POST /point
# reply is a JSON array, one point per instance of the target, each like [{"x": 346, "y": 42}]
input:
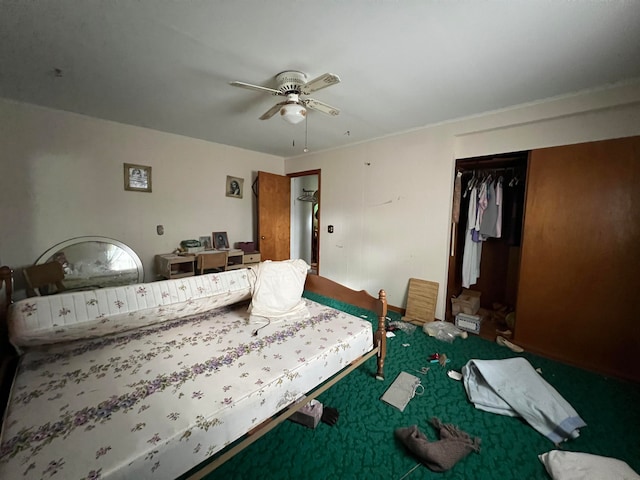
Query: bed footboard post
[
  {"x": 8, "y": 357},
  {"x": 380, "y": 336},
  {"x": 6, "y": 279}
]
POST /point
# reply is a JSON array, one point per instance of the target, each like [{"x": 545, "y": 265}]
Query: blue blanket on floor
[{"x": 512, "y": 387}]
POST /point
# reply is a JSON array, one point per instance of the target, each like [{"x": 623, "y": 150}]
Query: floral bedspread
[
  {"x": 156, "y": 401},
  {"x": 80, "y": 315}
]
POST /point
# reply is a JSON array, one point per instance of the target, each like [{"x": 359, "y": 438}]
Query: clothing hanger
[{"x": 471, "y": 184}]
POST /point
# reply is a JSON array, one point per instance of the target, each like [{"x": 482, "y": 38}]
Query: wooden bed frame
[
  {"x": 314, "y": 283},
  {"x": 327, "y": 288},
  {"x": 8, "y": 355}
]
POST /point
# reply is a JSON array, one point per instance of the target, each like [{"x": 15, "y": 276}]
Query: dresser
[{"x": 173, "y": 265}]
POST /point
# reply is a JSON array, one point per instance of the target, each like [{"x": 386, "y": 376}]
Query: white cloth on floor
[
  {"x": 512, "y": 387},
  {"x": 561, "y": 465}
]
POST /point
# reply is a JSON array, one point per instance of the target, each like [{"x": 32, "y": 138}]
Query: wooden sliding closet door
[{"x": 579, "y": 288}]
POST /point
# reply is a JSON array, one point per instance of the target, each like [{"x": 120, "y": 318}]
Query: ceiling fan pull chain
[{"x": 306, "y": 124}]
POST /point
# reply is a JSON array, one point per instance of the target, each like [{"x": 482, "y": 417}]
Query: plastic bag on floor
[
  {"x": 445, "y": 331},
  {"x": 404, "y": 326}
]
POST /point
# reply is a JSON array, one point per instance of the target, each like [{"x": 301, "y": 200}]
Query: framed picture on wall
[
  {"x": 137, "y": 178},
  {"x": 205, "y": 241},
  {"x": 234, "y": 186},
  {"x": 220, "y": 240}
]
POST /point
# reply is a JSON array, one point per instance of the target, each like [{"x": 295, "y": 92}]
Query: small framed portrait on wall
[
  {"x": 137, "y": 178},
  {"x": 234, "y": 186},
  {"x": 220, "y": 240}
]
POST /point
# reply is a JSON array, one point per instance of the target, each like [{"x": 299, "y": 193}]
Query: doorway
[
  {"x": 289, "y": 216},
  {"x": 305, "y": 217}
]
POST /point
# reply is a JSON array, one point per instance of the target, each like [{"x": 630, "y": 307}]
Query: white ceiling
[{"x": 167, "y": 65}]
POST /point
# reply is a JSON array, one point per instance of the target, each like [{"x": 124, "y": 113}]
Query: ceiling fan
[{"x": 292, "y": 84}]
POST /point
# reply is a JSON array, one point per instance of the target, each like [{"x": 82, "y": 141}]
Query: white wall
[
  {"x": 61, "y": 176},
  {"x": 390, "y": 199}
]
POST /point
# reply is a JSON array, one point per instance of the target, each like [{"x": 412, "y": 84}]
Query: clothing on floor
[
  {"x": 443, "y": 454},
  {"x": 512, "y": 387}
]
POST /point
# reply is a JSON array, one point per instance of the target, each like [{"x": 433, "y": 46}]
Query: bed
[{"x": 171, "y": 374}]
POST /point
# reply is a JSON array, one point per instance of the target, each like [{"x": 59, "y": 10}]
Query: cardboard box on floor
[
  {"x": 467, "y": 302},
  {"x": 309, "y": 415},
  {"x": 468, "y": 323}
]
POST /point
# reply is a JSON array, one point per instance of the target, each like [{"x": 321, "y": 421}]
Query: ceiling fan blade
[
  {"x": 257, "y": 88},
  {"x": 321, "y": 107},
  {"x": 272, "y": 111},
  {"x": 320, "y": 82}
]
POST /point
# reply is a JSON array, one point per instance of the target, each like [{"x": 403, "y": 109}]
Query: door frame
[
  {"x": 517, "y": 160},
  {"x": 306, "y": 173}
]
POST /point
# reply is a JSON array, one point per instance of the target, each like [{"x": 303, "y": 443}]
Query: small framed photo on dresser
[
  {"x": 205, "y": 241},
  {"x": 220, "y": 241}
]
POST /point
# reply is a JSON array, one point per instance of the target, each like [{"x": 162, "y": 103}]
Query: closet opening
[{"x": 486, "y": 236}]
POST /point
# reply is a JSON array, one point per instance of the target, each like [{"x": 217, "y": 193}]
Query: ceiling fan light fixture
[{"x": 293, "y": 113}]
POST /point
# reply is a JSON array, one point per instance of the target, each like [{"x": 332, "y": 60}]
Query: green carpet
[{"x": 362, "y": 445}]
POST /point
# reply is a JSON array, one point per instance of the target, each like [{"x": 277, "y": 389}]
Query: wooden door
[
  {"x": 274, "y": 216},
  {"x": 579, "y": 277}
]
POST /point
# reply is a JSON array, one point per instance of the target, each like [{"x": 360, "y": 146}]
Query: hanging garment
[
  {"x": 499, "y": 204},
  {"x": 490, "y": 215},
  {"x": 457, "y": 194},
  {"x": 472, "y": 249},
  {"x": 481, "y": 206},
  {"x": 516, "y": 209},
  {"x": 473, "y": 211},
  {"x": 471, "y": 260},
  {"x": 455, "y": 214}
]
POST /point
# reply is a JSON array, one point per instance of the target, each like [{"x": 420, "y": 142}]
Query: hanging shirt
[
  {"x": 482, "y": 205},
  {"x": 480, "y": 208},
  {"x": 471, "y": 260},
  {"x": 472, "y": 249},
  {"x": 499, "y": 204},
  {"x": 490, "y": 215},
  {"x": 473, "y": 212}
]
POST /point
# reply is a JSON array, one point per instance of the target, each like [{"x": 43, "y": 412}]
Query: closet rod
[
  {"x": 516, "y": 169},
  {"x": 483, "y": 163}
]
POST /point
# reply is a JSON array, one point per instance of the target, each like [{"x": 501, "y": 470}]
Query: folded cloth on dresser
[{"x": 512, "y": 387}]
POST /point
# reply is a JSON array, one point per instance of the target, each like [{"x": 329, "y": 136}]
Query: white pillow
[
  {"x": 277, "y": 292},
  {"x": 562, "y": 465}
]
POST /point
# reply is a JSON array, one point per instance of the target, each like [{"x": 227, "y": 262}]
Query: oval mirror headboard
[{"x": 95, "y": 262}]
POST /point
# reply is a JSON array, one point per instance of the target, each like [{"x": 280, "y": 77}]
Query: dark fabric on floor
[
  {"x": 439, "y": 454},
  {"x": 361, "y": 445}
]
